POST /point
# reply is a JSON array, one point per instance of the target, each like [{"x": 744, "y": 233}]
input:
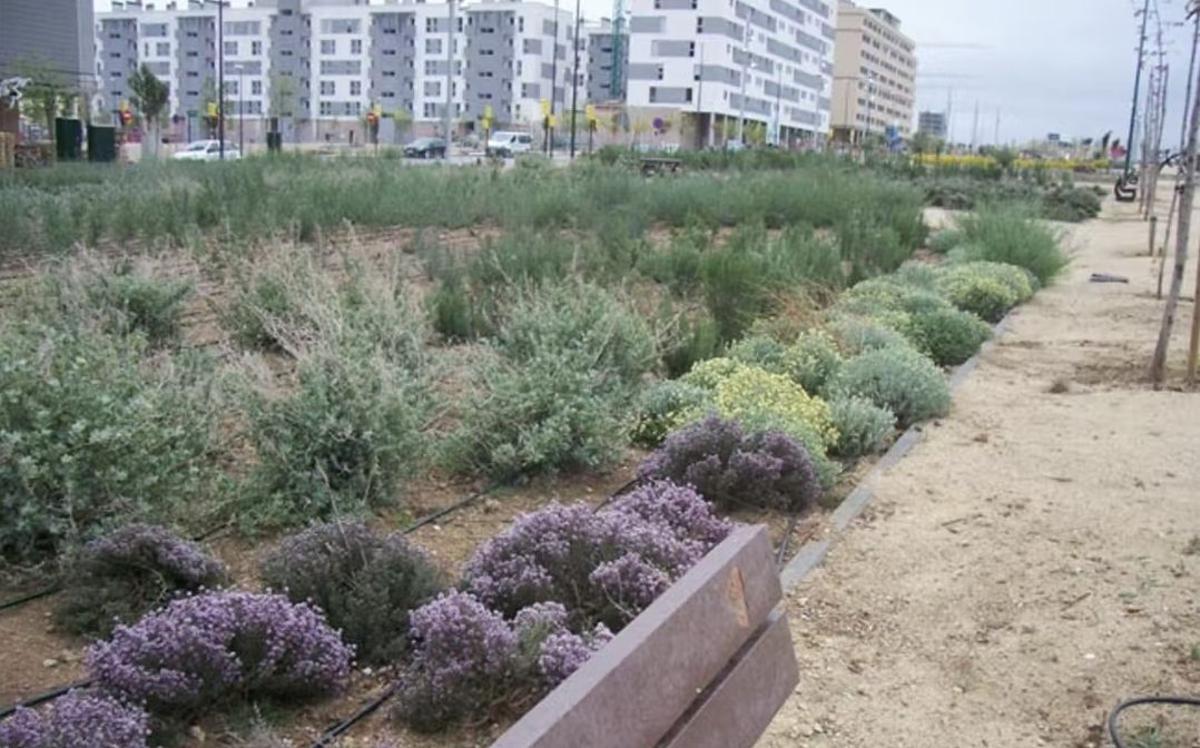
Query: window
[
  {"x": 356, "y": 88},
  {"x": 356, "y": 46},
  {"x": 256, "y": 48},
  {"x": 328, "y": 88},
  {"x": 231, "y": 49},
  {"x": 231, "y": 88},
  {"x": 430, "y": 109},
  {"x": 431, "y": 24},
  {"x": 256, "y": 88},
  {"x": 340, "y": 25},
  {"x": 147, "y": 52},
  {"x": 521, "y": 24},
  {"x": 326, "y": 108},
  {"x": 329, "y": 46},
  {"x": 433, "y": 88},
  {"x": 433, "y": 46},
  {"x": 162, "y": 49}
]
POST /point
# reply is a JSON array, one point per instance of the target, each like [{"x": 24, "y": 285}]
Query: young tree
[
  {"x": 48, "y": 93},
  {"x": 150, "y": 98}
]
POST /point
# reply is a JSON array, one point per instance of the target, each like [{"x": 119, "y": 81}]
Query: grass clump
[
  {"x": 1014, "y": 236},
  {"x": 365, "y": 583},
  {"x": 659, "y": 407},
  {"x": 896, "y": 378}
]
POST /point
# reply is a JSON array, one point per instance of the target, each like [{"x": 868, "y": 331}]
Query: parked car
[
  {"x": 207, "y": 150},
  {"x": 426, "y": 148},
  {"x": 506, "y": 144}
]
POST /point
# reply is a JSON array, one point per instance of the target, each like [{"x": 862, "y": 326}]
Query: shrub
[
  {"x": 736, "y": 290},
  {"x": 987, "y": 289},
  {"x": 948, "y": 336},
  {"x": 128, "y": 572},
  {"x": 342, "y": 442},
  {"x": 603, "y": 567},
  {"x": 582, "y": 321},
  {"x": 468, "y": 658},
  {"x": 862, "y": 426},
  {"x": 90, "y": 433},
  {"x": 1011, "y": 235},
  {"x": 694, "y": 341},
  {"x": 896, "y": 378},
  {"x": 217, "y": 647},
  {"x": 945, "y": 240},
  {"x": 812, "y": 360},
  {"x": 138, "y": 303},
  {"x": 545, "y": 415},
  {"x": 1072, "y": 204},
  {"x": 659, "y": 408},
  {"x": 735, "y": 470},
  {"x": 857, "y": 334},
  {"x": 78, "y": 719},
  {"x": 366, "y": 584}
]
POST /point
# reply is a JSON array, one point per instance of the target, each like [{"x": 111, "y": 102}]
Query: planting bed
[{"x": 755, "y": 335}]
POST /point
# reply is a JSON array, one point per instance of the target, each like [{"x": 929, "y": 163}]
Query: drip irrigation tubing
[
  {"x": 45, "y": 696},
  {"x": 781, "y": 555},
  {"x": 335, "y": 732},
  {"x": 1115, "y": 715},
  {"x": 56, "y": 587},
  {"x": 461, "y": 503}
]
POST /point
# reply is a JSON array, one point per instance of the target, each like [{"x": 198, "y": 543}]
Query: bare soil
[{"x": 1034, "y": 560}]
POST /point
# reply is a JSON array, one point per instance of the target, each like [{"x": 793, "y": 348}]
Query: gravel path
[{"x": 1033, "y": 560}]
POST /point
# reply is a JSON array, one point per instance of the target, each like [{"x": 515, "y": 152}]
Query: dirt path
[{"x": 1035, "y": 558}]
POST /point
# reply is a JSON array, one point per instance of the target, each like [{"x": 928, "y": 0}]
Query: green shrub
[
  {"x": 809, "y": 362},
  {"x": 897, "y": 378},
  {"x": 342, "y": 442},
  {"x": 948, "y": 336},
  {"x": 1072, "y": 204},
  {"x": 455, "y": 312},
  {"x": 547, "y": 414},
  {"x": 986, "y": 289},
  {"x": 1012, "y": 235},
  {"x": 862, "y": 426},
  {"x": 659, "y": 407},
  {"x": 365, "y": 583},
  {"x": 90, "y": 433},
  {"x": 583, "y": 321},
  {"x": 857, "y": 334},
  {"x": 945, "y": 240},
  {"x": 129, "y": 302},
  {"x": 693, "y": 342},
  {"x": 736, "y": 291}
]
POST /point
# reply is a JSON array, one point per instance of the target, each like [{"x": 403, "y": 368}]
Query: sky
[{"x": 1043, "y": 66}]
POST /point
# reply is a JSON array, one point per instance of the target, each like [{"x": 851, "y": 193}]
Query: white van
[{"x": 506, "y": 144}]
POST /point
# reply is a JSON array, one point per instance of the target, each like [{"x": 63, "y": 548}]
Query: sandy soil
[{"x": 1034, "y": 559}]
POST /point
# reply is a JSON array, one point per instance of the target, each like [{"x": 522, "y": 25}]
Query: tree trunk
[{"x": 1158, "y": 365}]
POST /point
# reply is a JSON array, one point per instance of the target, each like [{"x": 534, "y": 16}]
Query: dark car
[{"x": 426, "y": 148}]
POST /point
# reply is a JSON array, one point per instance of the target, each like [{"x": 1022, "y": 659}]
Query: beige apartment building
[{"x": 874, "y": 74}]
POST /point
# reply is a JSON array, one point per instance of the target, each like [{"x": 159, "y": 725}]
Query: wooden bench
[
  {"x": 652, "y": 166},
  {"x": 707, "y": 665}
]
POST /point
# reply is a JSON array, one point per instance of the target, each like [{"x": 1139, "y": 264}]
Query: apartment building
[
  {"x": 601, "y": 56},
  {"x": 875, "y": 75},
  {"x": 321, "y": 65},
  {"x": 932, "y": 124},
  {"x": 53, "y": 33},
  {"x": 719, "y": 70}
]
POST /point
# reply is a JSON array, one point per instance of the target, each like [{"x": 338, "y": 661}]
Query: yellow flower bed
[{"x": 975, "y": 160}]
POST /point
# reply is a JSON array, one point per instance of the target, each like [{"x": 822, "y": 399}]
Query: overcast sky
[{"x": 1062, "y": 66}]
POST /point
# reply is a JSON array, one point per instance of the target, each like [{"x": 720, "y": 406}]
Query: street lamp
[{"x": 220, "y": 71}]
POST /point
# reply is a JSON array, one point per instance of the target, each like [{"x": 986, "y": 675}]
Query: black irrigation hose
[
  {"x": 45, "y": 696},
  {"x": 781, "y": 555},
  {"x": 435, "y": 516},
  {"x": 344, "y": 726},
  {"x": 1115, "y": 714},
  {"x": 50, "y": 590},
  {"x": 624, "y": 489}
]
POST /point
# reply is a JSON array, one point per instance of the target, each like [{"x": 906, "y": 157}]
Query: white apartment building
[
  {"x": 715, "y": 68},
  {"x": 333, "y": 61}
]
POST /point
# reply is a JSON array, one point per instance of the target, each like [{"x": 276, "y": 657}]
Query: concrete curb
[{"x": 811, "y": 554}]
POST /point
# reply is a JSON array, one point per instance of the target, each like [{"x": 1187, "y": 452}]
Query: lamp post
[{"x": 220, "y": 72}]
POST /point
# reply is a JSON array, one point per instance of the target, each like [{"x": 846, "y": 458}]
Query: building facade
[
  {"x": 319, "y": 66},
  {"x": 716, "y": 70},
  {"x": 932, "y": 124},
  {"x": 56, "y": 35},
  {"x": 875, "y": 75},
  {"x": 602, "y": 51}
]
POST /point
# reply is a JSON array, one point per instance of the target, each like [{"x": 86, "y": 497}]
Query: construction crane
[{"x": 617, "y": 87}]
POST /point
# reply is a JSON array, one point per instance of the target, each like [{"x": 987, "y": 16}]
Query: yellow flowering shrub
[{"x": 754, "y": 396}]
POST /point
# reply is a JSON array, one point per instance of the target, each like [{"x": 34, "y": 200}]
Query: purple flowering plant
[
  {"x": 214, "y": 647},
  {"x": 78, "y": 719},
  {"x": 734, "y": 469},
  {"x": 132, "y": 570}
]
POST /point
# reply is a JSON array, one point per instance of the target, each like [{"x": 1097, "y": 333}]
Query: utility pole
[
  {"x": 449, "y": 78},
  {"x": 221, "y": 77},
  {"x": 553, "y": 83},
  {"x": 1158, "y": 364},
  {"x": 575, "y": 79},
  {"x": 745, "y": 75},
  {"x": 997, "y": 135},
  {"x": 1137, "y": 84}
]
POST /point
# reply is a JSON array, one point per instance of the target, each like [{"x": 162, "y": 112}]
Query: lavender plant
[
  {"x": 78, "y": 719},
  {"x": 121, "y": 576},
  {"x": 734, "y": 469},
  {"x": 207, "y": 649},
  {"x": 364, "y": 582}
]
